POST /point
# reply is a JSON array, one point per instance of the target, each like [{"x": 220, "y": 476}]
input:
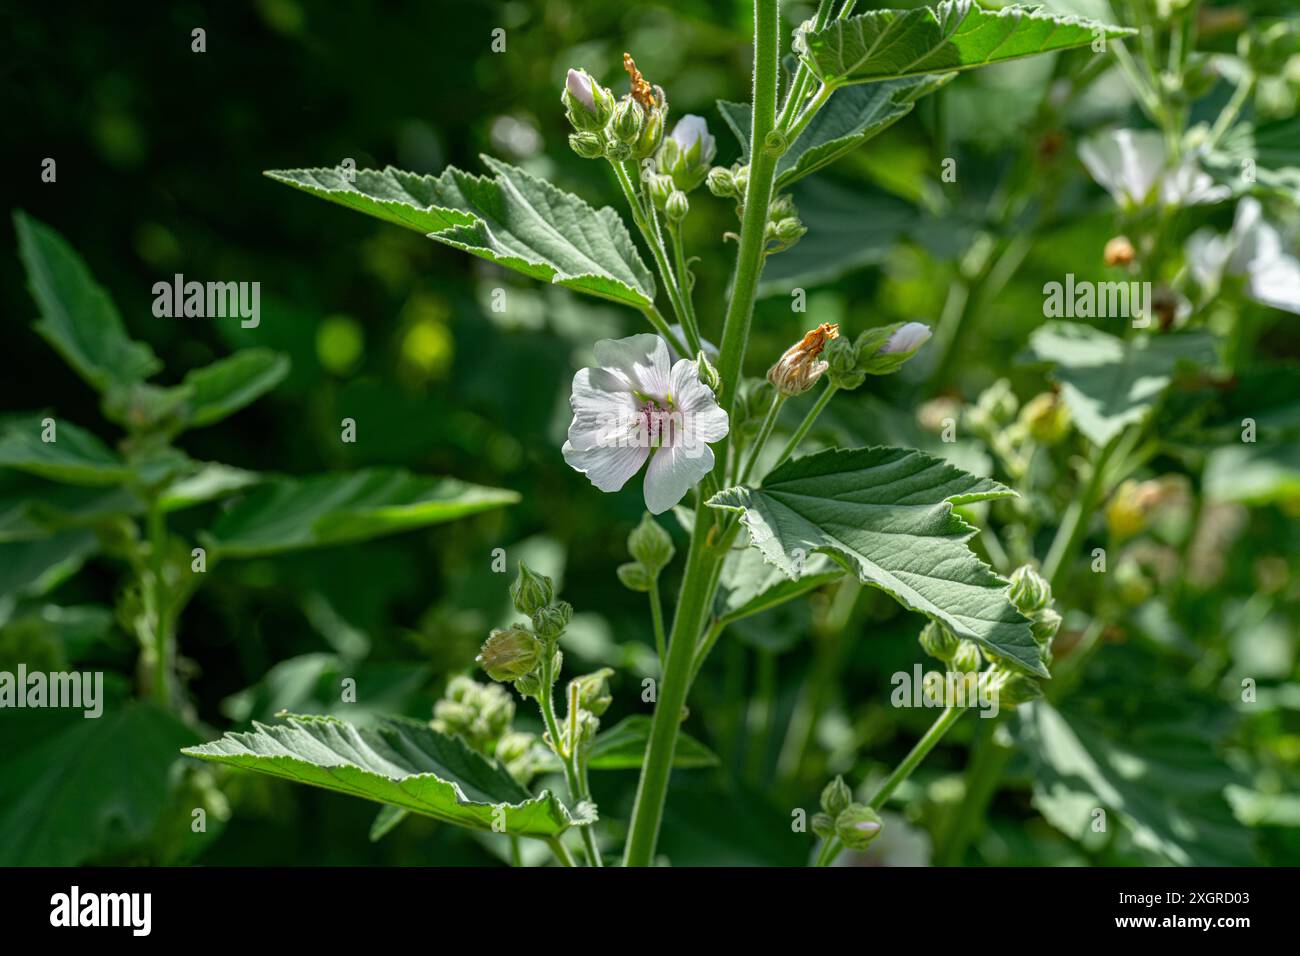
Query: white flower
[
  {"x": 1254, "y": 250},
  {"x": 1132, "y": 167},
  {"x": 907, "y": 338},
  {"x": 635, "y": 405}
]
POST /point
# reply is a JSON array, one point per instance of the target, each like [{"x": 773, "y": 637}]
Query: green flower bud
[
  {"x": 883, "y": 351},
  {"x": 1043, "y": 624},
  {"x": 1018, "y": 689},
  {"x": 721, "y": 182},
  {"x": 651, "y": 545},
  {"x": 708, "y": 374},
  {"x": 801, "y": 365},
  {"x": 549, "y": 622},
  {"x": 515, "y": 751},
  {"x": 939, "y": 642},
  {"x": 462, "y": 689},
  {"x": 677, "y": 206},
  {"x": 634, "y": 576},
  {"x": 966, "y": 658},
  {"x": 593, "y": 690},
  {"x": 616, "y": 151},
  {"x": 841, "y": 358},
  {"x": 627, "y": 121},
  {"x": 1029, "y": 590},
  {"x": 587, "y": 145},
  {"x": 823, "y": 824},
  {"x": 587, "y": 104},
  {"x": 857, "y": 826},
  {"x": 652, "y": 130},
  {"x": 782, "y": 207},
  {"x": 531, "y": 590},
  {"x": 660, "y": 188},
  {"x": 836, "y": 797},
  {"x": 785, "y": 232},
  {"x": 1046, "y": 418},
  {"x": 510, "y": 653}
]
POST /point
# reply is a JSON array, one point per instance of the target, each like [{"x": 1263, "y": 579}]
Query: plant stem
[
  {"x": 698, "y": 582},
  {"x": 684, "y": 278},
  {"x": 657, "y": 615},
  {"x": 515, "y": 858},
  {"x": 661, "y": 326},
  {"x": 904, "y": 770},
  {"x": 649, "y": 230},
  {"x": 1075, "y": 523},
  {"x": 1230, "y": 112},
  {"x": 568, "y": 760},
  {"x": 764, "y": 433},
  {"x": 817, "y": 102},
  {"x": 162, "y": 638},
  {"x": 802, "y": 431},
  {"x": 561, "y": 851}
]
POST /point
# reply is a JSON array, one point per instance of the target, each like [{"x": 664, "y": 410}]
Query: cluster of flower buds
[
  {"x": 515, "y": 653},
  {"x": 801, "y": 365},
  {"x": 855, "y": 824},
  {"x": 1032, "y": 597},
  {"x": 730, "y": 183},
  {"x": 588, "y": 698},
  {"x": 879, "y": 351},
  {"x": 992, "y": 418},
  {"x": 784, "y": 227},
  {"x": 652, "y": 549},
  {"x": 630, "y": 127},
  {"x": 480, "y": 714}
]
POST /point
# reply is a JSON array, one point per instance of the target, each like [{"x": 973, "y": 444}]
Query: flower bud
[
  {"x": 841, "y": 358},
  {"x": 883, "y": 351},
  {"x": 1018, "y": 689},
  {"x": 857, "y": 826},
  {"x": 1119, "y": 251},
  {"x": 531, "y": 590},
  {"x": 1046, "y": 418},
  {"x": 633, "y": 576},
  {"x": 966, "y": 658},
  {"x": 588, "y": 105},
  {"x": 627, "y": 121},
  {"x": 782, "y": 207},
  {"x": 587, "y": 145},
  {"x": 939, "y": 642},
  {"x": 686, "y": 153},
  {"x": 799, "y": 367},
  {"x": 721, "y": 182},
  {"x": 785, "y": 232},
  {"x": 593, "y": 690},
  {"x": 1043, "y": 624},
  {"x": 617, "y": 152},
  {"x": 650, "y": 545},
  {"x": 823, "y": 824},
  {"x": 836, "y": 797},
  {"x": 510, "y": 653},
  {"x": 709, "y": 375},
  {"x": 660, "y": 187},
  {"x": 515, "y": 752},
  {"x": 1029, "y": 590},
  {"x": 677, "y": 206},
  {"x": 550, "y": 621}
]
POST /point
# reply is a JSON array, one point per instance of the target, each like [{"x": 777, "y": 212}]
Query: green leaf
[
  {"x": 96, "y": 787},
  {"x": 849, "y": 118},
  {"x": 513, "y": 219},
  {"x": 1109, "y": 383},
  {"x": 224, "y": 387},
  {"x": 1254, "y": 474},
  {"x": 385, "y": 821},
  {"x": 887, "y": 513},
  {"x": 400, "y": 763},
  {"x": 75, "y": 456},
  {"x": 847, "y": 229},
  {"x": 34, "y": 567},
  {"x": 288, "y": 514},
  {"x": 1164, "y": 783},
  {"x": 32, "y": 507},
  {"x": 622, "y": 747},
  {"x": 955, "y": 35},
  {"x": 77, "y": 317},
  {"x": 206, "y": 481},
  {"x": 750, "y": 585}
]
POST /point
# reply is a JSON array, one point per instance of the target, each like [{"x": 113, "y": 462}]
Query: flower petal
[
  {"x": 673, "y": 470},
  {"x": 608, "y": 466},
  {"x": 702, "y": 417},
  {"x": 641, "y": 359}
]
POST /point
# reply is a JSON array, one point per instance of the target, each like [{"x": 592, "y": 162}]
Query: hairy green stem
[
  {"x": 696, "y": 594},
  {"x": 764, "y": 433},
  {"x": 561, "y": 851},
  {"x": 904, "y": 770},
  {"x": 1075, "y": 523},
  {"x": 685, "y": 291},
  {"x": 569, "y": 761},
  {"x": 806, "y": 425},
  {"x": 657, "y": 616}
]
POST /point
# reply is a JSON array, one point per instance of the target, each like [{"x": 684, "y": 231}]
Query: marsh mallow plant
[{"x": 664, "y": 402}]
